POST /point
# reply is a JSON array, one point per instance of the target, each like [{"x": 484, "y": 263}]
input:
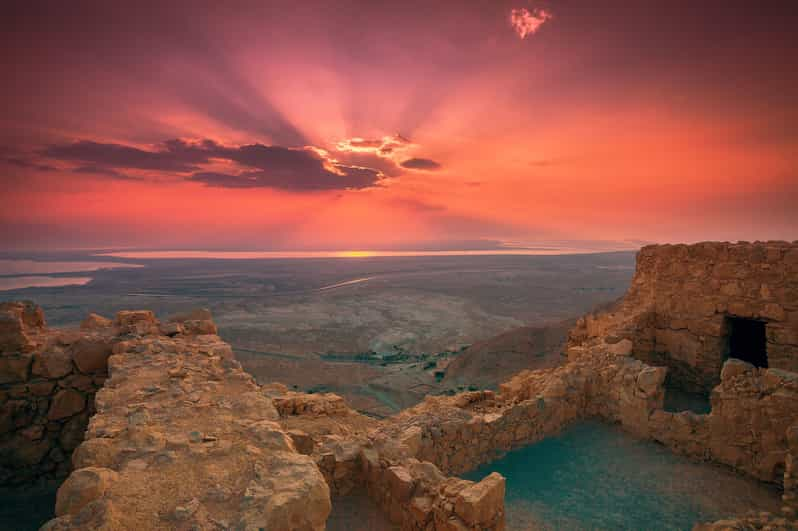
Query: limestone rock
[
  {"x": 412, "y": 438},
  {"x": 171, "y": 328},
  {"x": 14, "y": 367},
  {"x": 478, "y": 503},
  {"x": 734, "y": 367},
  {"x": 66, "y": 403},
  {"x": 199, "y": 327},
  {"x": 52, "y": 364},
  {"x": 299, "y": 500},
  {"x": 19, "y": 322},
  {"x": 91, "y": 354},
  {"x": 621, "y": 348},
  {"x": 94, "y": 321},
  {"x": 82, "y": 487},
  {"x": 141, "y": 322},
  {"x": 651, "y": 379}
]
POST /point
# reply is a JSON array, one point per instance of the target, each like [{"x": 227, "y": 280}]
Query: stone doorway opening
[{"x": 747, "y": 341}]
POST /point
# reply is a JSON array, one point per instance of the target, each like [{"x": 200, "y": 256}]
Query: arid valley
[{"x": 383, "y": 343}]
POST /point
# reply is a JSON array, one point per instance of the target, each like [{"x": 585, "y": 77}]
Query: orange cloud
[
  {"x": 526, "y": 22},
  {"x": 386, "y": 146}
]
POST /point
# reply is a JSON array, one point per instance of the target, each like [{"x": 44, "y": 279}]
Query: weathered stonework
[
  {"x": 677, "y": 310},
  {"x": 47, "y": 384},
  {"x": 183, "y": 438}
]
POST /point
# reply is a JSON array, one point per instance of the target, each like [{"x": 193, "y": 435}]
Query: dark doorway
[{"x": 747, "y": 341}]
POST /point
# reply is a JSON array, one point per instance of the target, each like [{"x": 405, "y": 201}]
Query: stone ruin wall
[
  {"x": 675, "y": 311},
  {"x": 674, "y": 316},
  {"x": 748, "y": 428},
  {"x": 47, "y": 387},
  {"x": 48, "y": 382},
  {"x": 182, "y": 438}
]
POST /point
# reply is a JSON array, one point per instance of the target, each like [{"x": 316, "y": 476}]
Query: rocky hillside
[{"x": 487, "y": 363}]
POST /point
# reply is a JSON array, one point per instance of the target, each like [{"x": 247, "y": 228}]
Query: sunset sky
[{"x": 396, "y": 125}]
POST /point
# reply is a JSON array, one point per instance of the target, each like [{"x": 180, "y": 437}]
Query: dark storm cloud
[
  {"x": 175, "y": 155},
  {"x": 299, "y": 169},
  {"x": 421, "y": 164}
]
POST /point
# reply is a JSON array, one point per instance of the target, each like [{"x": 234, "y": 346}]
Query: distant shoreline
[{"x": 265, "y": 255}]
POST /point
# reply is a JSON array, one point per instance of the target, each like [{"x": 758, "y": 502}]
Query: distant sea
[
  {"x": 264, "y": 255},
  {"x": 23, "y": 272}
]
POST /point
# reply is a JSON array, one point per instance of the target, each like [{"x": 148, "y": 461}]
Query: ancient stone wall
[
  {"x": 677, "y": 310},
  {"x": 462, "y": 432},
  {"x": 355, "y": 456},
  {"x": 183, "y": 438},
  {"x": 752, "y": 413},
  {"x": 47, "y": 384}
]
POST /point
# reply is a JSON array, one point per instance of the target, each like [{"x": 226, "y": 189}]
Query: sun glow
[{"x": 356, "y": 254}]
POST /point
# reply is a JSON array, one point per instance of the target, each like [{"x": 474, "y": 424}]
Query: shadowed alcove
[{"x": 747, "y": 341}]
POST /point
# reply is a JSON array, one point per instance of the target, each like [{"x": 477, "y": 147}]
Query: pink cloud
[{"x": 526, "y": 22}]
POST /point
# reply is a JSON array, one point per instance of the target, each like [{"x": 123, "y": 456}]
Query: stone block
[
  {"x": 621, "y": 348},
  {"x": 14, "y": 367},
  {"x": 82, "y": 487},
  {"x": 141, "y": 322},
  {"x": 734, "y": 367},
  {"x": 66, "y": 403},
  {"x": 481, "y": 502},
  {"x": 171, "y": 328},
  {"x": 421, "y": 509},
  {"x": 200, "y": 327},
  {"x": 651, "y": 379},
  {"x": 774, "y": 312},
  {"x": 53, "y": 364},
  {"x": 91, "y": 354},
  {"x": 41, "y": 388},
  {"x": 411, "y": 440},
  {"x": 400, "y": 482},
  {"x": 95, "y": 322},
  {"x": 18, "y": 322}
]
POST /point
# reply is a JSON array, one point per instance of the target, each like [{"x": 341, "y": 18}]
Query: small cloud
[
  {"x": 421, "y": 164},
  {"x": 525, "y": 22},
  {"x": 383, "y": 147}
]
